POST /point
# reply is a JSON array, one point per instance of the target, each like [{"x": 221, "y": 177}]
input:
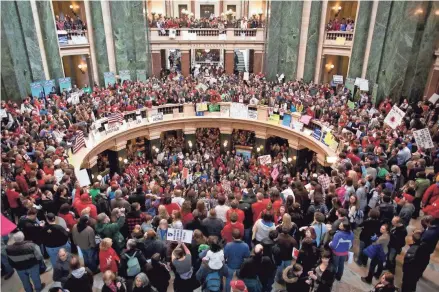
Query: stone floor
[{"x": 350, "y": 282}]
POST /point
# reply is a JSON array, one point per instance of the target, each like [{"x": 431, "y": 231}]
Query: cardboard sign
[
  {"x": 246, "y": 76},
  {"x": 434, "y": 98},
  {"x": 265, "y": 159},
  {"x": 157, "y": 117},
  {"x": 394, "y": 117},
  {"x": 252, "y": 115},
  {"x": 338, "y": 79},
  {"x": 182, "y": 235},
  {"x": 305, "y": 119},
  {"x": 238, "y": 110},
  {"x": 275, "y": 173},
  {"x": 225, "y": 111},
  {"x": 423, "y": 138},
  {"x": 297, "y": 125}
]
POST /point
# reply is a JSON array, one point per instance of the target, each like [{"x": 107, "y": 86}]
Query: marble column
[
  {"x": 156, "y": 63},
  {"x": 50, "y": 37},
  {"x": 322, "y": 27},
  {"x": 16, "y": 72},
  {"x": 139, "y": 28},
  {"x": 32, "y": 46},
  {"x": 91, "y": 41},
  {"x": 100, "y": 42},
  {"x": 312, "y": 41},
  {"x": 291, "y": 15},
  {"x": 360, "y": 38},
  {"x": 108, "y": 30},
  {"x": 306, "y": 11},
  {"x": 229, "y": 62},
  {"x": 273, "y": 42},
  {"x": 257, "y": 62},
  {"x": 422, "y": 53},
  {"x": 402, "y": 40},
  {"x": 377, "y": 44},
  {"x": 369, "y": 37},
  {"x": 185, "y": 63}
]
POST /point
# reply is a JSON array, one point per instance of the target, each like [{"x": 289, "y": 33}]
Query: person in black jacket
[
  {"x": 150, "y": 245},
  {"x": 124, "y": 258},
  {"x": 32, "y": 227},
  {"x": 323, "y": 276},
  {"x": 158, "y": 273},
  {"x": 61, "y": 270},
  {"x": 386, "y": 283},
  {"x": 196, "y": 223},
  {"x": 308, "y": 255},
  {"x": 371, "y": 226},
  {"x": 295, "y": 278},
  {"x": 397, "y": 242},
  {"x": 411, "y": 268},
  {"x": 387, "y": 210},
  {"x": 55, "y": 237},
  {"x": 80, "y": 278}
]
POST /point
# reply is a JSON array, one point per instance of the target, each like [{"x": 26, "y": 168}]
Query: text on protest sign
[
  {"x": 394, "y": 117},
  {"x": 265, "y": 159},
  {"x": 175, "y": 234},
  {"x": 423, "y": 139}
]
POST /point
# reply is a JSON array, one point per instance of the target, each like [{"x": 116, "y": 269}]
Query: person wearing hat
[{"x": 238, "y": 286}]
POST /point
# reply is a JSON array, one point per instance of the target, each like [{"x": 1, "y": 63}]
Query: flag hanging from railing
[
  {"x": 79, "y": 141},
  {"x": 115, "y": 118}
]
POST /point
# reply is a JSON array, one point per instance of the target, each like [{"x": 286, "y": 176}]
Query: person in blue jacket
[{"x": 340, "y": 246}]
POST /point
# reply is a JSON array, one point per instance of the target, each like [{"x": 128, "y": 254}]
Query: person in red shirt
[
  {"x": 83, "y": 201},
  {"x": 108, "y": 258},
  {"x": 234, "y": 209},
  {"x": 353, "y": 156},
  {"x": 186, "y": 213},
  {"x": 259, "y": 206},
  {"x": 226, "y": 233},
  {"x": 13, "y": 200},
  {"x": 64, "y": 212},
  {"x": 21, "y": 180},
  {"x": 170, "y": 207}
]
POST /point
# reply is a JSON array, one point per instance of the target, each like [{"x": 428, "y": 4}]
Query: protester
[
  {"x": 80, "y": 278},
  {"x": 61, "y": 270}
]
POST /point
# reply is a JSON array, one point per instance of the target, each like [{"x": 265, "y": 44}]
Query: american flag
[
  {"x": 79, "y": 141},
  {"x": 115, "y": 118}
]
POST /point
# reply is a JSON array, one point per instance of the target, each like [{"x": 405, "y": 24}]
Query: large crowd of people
[
  {"x": 256, "y": 227},
  {"x": 344, "y": 24},
  {"x": 205, "y": 22}
]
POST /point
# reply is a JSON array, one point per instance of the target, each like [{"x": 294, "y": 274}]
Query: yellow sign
[
  {"x": 274, "y": 119},
  {"x": 340, "y": 41}
]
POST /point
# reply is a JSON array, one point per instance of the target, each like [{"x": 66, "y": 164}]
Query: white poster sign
[
  {"x": 225, "y": 111},
  {"x": 246, "y": 75},
  {"x": 157, "y": 117},
  {"x": 183, "y": 235},
  {"x": 394, "y": 117},
  {"x": 238, "y": 110},
  {"x": 265, "y": 159},
  {"x": 172, "y": 33},
  {"x": 434, "y": 98},
  {"x": 338, "y": 79},
  {"x": 252, "y": 115},
  {"x": 83, "y": 178},
  {"x": 364, "y": 85},
  {"x": 297, "y": 125},
  {"x": 423, "y": 138}
]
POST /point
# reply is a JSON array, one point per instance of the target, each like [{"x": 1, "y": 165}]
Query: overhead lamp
[
  {"x": 157, "y": 150},
  {"x": 225, "y": 143},
  {"x": 92, "y": 176},
  {"x": 290, "y": 159},
  {"x": 120, "y": 158},
  {"x": 125, "y": 161},
  {"x": 258, "y": 149},
  {"x": 82, "y": 68},
  {"x": 294, "y": 157}
]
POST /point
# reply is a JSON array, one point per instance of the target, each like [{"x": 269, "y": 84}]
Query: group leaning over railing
[{"x": 201, "y": 212}]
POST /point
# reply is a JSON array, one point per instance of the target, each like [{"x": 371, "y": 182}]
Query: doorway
[
  {"x": 173, "y": 59},
  {"x": 207, "y": 10},
  {"x": 182, "y": 7},
  {"x": 78, "y": 68}
]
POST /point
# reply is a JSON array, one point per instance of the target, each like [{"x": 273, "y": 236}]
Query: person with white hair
[{"x": 25, "y": 257}]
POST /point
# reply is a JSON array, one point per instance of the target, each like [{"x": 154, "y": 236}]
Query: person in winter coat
[
  {"x": 294, "y": 278},
  {"x": 105, "y": 228},
  {"x": 429, "y": 239},
  {"x": 432, "y": 209},
  {"x": 387, "y": 210},
  {"x": 150, "y": 245},
  {"x": 67, "y": 215},
  {"x": 323, "y": 276},
  {"x": 381, "y": 246},
  {"x": 142, "y": 284},
  {"x": 158, "y": 273},
  {"x": 113, "y": 283},
  {"x": 412, "y": 265},
  {"x": 80, "y": 279},
  {"x": 262, "y": 227},
  {"x": 407, "y": 209},
  {"x": 340, "y": 246},
  {"x": 127, "y": 255},
  {"x": 120, "y": 202},
  {"x": 431, "y": 194},
  {"x": 370, "y": 227},
  {"x": 61, "y": 270},
  {"x": 82, "y": 201},
  {"x": 308, "y": 255},
  {"x": 84, "y": 237},
  {"x": 108, "y": 258},
  {"x": 385, "y": 284},
  {"x": 398, "y": 234}
]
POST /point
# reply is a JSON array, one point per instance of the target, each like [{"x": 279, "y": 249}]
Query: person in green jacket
[
  {"x": 421, "y": 185},
  {"x": 105, "y": 228},
  {"x": 94, "y": 191}
]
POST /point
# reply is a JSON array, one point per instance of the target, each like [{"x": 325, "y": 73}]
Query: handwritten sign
[
  {"x": 252, "y": 115},
  {"x": 394, "y": 117},
  {"x": 423, "y": 139},
  {"x": 183, "y": 235},
  {"x": 157, "y": 117},
  {"x": 265, "y": 159}
]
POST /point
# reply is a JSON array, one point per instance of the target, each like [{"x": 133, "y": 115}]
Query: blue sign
[
  {"x": 286, "y": 120},
  {"x": 317, "y": 134},
  {"x": 65, "y": 83},
  {"x": 37, "y": 90},
  {"x": 49, "y": 86},
  {"x": 124, "y": 75},
  {"x": 109, "y": 78}
]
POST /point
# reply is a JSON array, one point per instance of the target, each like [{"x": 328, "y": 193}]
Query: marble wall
[
  {"x": 99, "y": 40},
  {"x": 360, "y": 38},
  {"x": 129, "y": 35},
  {"x": 313, "y": 41},
  {"x": 284, "y": 38},
  {"x": 50, "y": 38}
]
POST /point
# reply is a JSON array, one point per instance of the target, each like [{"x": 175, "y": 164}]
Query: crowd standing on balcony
[
  {"x": 247, "y": 217},
  {"x": 165, "y": 22},
  {"x": 68, "y": 23},
  {"x": 345, "y": 24}
]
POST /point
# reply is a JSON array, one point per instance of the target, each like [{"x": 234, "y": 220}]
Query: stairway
[{"x": 240, "y": 67}]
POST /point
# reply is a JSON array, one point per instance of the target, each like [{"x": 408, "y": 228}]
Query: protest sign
[
  {"x": 83, "y": 178},
  {"x": 340, "y": 41},
  {"x": 317, "y": 134},
  {"x": 36, "y": 89},
  {"x": 252, "y": 114},
  {"x": 49, "y": 86},
  {"x": 305, "y": 119},
  {"x": 157, "y": 117},
  {"x": 185, "y": 172},
  {"x": 238, "y": 110},
  {"x": 423, "y": 138},
  {"x": 338, "y": 79},
  {"x": 246, "y": 76},
  {"x": 214, "y": 107},
  {"x": 201, "y": 107},
  {"x": 225, "y": 111},
  {"x": 297, "y": 125},
  {"x": 201, "y": 86},
  {"x": 286, "y": 120},
  {"x": 172, "y": 33},
  {"x": 141, "y": 75},
  {"x": 160, "y": 156},
  {"x": 176, "y": 234},
  {"x": 394, "y": 117},
  {"x": 265, "y": 159},
  {"x": 434, "y": 98},
  {"x": 124, "y": 75},
  {"x": 109, "y": 78},
  {"x": 275, "y": 173},
  {"x": 351, "y": 104},
  {"x": 349, "y": 84},
  {"x": 274, "y": 119}
]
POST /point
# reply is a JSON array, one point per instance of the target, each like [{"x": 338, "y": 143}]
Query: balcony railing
[
  {"x": 72, "y": 37},
  {"x": 207, "y": 34},
  {"x": 339, "y": 38}
]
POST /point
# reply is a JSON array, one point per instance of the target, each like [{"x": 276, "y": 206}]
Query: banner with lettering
[
  {"x": 49, "y": 86},
  {"x": 252, "y": 114},
  {"x": 238, "y": 110},
  {"x": 124, "y": 75},
  {"x": 274, "y": 119},
  {"x": 287, "y": 120},
  {"x": 65, "y": 84},
  {"x": 109, "y": 78},
  {"x": 423, "y": 138},
  {"x": 141, "y": 75},
  {"x": 37, "y": 89},
  {"x": 214, "y": 107}
]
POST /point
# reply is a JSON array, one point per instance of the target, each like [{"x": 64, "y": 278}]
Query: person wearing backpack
[{"x": 132, "y": 262}]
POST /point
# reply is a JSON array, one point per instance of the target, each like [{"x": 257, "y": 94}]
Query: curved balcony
[
  {"x": 338, "y": 43},
  {"x": 207, "y": 34},
  {"x": 183, "y": 117}
]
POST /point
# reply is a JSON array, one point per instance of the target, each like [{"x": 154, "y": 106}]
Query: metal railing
[{"x": 72, "y": 37}]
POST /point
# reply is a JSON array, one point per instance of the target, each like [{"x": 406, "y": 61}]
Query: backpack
[
  {"x": 341, "y": 192},
  {"x": 133, "y": 266},
  {"x": 213, "y": 282}
]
